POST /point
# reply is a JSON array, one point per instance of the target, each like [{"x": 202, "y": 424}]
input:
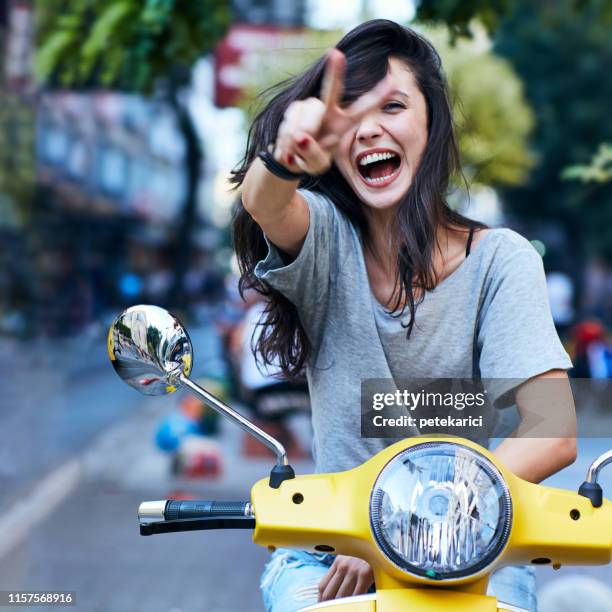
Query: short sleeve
[
  {"x": 516, "y": 336},
  {"x": 306, "y": 280}
]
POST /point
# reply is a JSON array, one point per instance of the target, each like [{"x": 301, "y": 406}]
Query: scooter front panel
[
  {"x": 414, "y": 600},
  {"x": 433, "y": 600},
  {"x": 358, "y": 603}
]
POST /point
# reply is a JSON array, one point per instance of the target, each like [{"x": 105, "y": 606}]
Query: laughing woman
[{"x": 368, "y": 273}]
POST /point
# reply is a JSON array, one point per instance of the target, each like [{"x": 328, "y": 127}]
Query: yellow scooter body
[{"x": 331, "y": 512}]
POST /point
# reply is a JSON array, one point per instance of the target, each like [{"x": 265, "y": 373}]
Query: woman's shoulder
[
  {"x": 502, "y": 243},
  {"x": 508, "y": 257}
]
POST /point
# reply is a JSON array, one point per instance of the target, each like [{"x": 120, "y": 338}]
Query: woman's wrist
[{"x": 277, "y": 168}]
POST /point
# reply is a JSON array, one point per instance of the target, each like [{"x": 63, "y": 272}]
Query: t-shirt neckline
[{"x": 456, "y": 273}]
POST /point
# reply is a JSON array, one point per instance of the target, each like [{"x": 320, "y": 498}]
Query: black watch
[{"x": 277, "y": 169}]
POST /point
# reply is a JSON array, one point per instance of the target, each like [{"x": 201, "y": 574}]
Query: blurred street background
[{"x": 120, "y": 122}]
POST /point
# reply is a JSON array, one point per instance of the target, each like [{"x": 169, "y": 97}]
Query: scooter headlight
[{"x": 441, "y": 511}]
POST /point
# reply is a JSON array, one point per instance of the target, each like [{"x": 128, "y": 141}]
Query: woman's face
[{"x": 379, "y": 157}]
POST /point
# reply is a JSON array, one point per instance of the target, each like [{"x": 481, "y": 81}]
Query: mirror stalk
[{"x": 282, "y": 470}]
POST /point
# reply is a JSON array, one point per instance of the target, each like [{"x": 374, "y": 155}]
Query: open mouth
[{"x": 379, "y": 168}]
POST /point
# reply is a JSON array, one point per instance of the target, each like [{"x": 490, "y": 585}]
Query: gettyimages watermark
[{"x": 479, "y": 409}]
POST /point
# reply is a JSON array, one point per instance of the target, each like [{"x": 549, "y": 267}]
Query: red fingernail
[
  {"x": 290, "y": 159},
  {"x": 303, "y": 144}
]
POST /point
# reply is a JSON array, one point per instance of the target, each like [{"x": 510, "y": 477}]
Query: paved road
[
  {"x": 58, "y": 395},
  {"x": 77, "y": 457},
  {"x": 90, "y": 542},
  {"x": 78, "y": 448},
  {"x": 56, "y": 398}
]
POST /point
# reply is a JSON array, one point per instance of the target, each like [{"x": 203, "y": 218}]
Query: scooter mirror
[
  {"x": 149, "y": 349},
  {"x": 152, "y": 352}
]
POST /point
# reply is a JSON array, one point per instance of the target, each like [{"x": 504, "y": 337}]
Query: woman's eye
[{"x": 393, "y": 106}]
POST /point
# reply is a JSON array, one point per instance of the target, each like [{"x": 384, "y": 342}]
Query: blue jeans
[{"x": 290, "y": 581}]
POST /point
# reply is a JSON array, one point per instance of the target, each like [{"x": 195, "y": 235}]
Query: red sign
[{"x": 234, "y": 57}]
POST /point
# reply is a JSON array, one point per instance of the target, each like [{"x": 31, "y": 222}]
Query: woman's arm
[
  {"x": 276, "y": 207},
  {"x": 546, "y": 406}
]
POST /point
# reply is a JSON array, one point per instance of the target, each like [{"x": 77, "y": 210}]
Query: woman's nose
[{"x": 368, "y": 128}]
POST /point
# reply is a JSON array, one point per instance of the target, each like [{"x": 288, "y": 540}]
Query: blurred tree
[
  {"x": 274, "y": 67},
  {"x": 137, "y": 46},
  {"x": 562, "y": 50},
  {"x": 460, "y": 15},
  {"x": 17, "y": 162},
  {"x": 493, "y": 118},
  {"x": 598, "y": 170},
  {"x": 17, "y": 120},
  {"x": 563, "y": 57}
]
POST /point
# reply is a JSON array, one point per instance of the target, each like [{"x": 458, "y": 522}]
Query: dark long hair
[{"x": 421, "y": 211}]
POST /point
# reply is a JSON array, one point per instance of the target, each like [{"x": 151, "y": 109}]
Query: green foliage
[
  {"x": 125, "y": 44},
  {"x": 492, "y": 115},
  {"x": 459, "y": 15},
  {"x": 562, "y": 50},
  {"x": 564, "y": 59},
  {"x": 599, "y": 170}
]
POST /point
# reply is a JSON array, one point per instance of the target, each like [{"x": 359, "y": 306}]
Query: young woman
[{"x": 344, "y": 227}]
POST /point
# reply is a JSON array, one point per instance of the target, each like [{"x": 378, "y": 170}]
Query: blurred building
[
  {"x": 91, "y": 190},
  {"x": 111, "y": 154},
  {"x": 92, "y": 187},
  {"x": 111, "y": 183}
]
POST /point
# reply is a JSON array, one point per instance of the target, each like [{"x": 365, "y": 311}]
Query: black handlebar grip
[{"x": 184, "y": 509}]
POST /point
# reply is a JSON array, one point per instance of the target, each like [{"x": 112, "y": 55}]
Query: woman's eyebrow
[{"x": 401, "y": 93}]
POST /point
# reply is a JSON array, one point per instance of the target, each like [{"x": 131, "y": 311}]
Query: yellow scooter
[{"x": 433, "y": 516}]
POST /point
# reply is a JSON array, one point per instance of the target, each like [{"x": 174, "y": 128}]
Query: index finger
[
  {"x": 369, "y": 101},
  {"x": 333, "y": 85}
]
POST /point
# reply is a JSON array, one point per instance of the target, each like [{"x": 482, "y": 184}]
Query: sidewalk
[{"x": 58, "y": 398}]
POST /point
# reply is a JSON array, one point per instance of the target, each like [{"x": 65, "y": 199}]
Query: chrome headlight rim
[{"x": 502, "y": 532}]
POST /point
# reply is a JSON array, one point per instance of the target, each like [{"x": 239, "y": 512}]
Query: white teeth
[
  {"x": 375, "y": 157},
  {"x": 380, "y": 179}
]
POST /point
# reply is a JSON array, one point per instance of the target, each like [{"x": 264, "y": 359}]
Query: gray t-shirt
[{"x": 489, "y": 319}]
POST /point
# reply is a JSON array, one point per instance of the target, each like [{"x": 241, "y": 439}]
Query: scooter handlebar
[
  {"x": 171, "y": 515},
  {"x": 182, "y": 509}
]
